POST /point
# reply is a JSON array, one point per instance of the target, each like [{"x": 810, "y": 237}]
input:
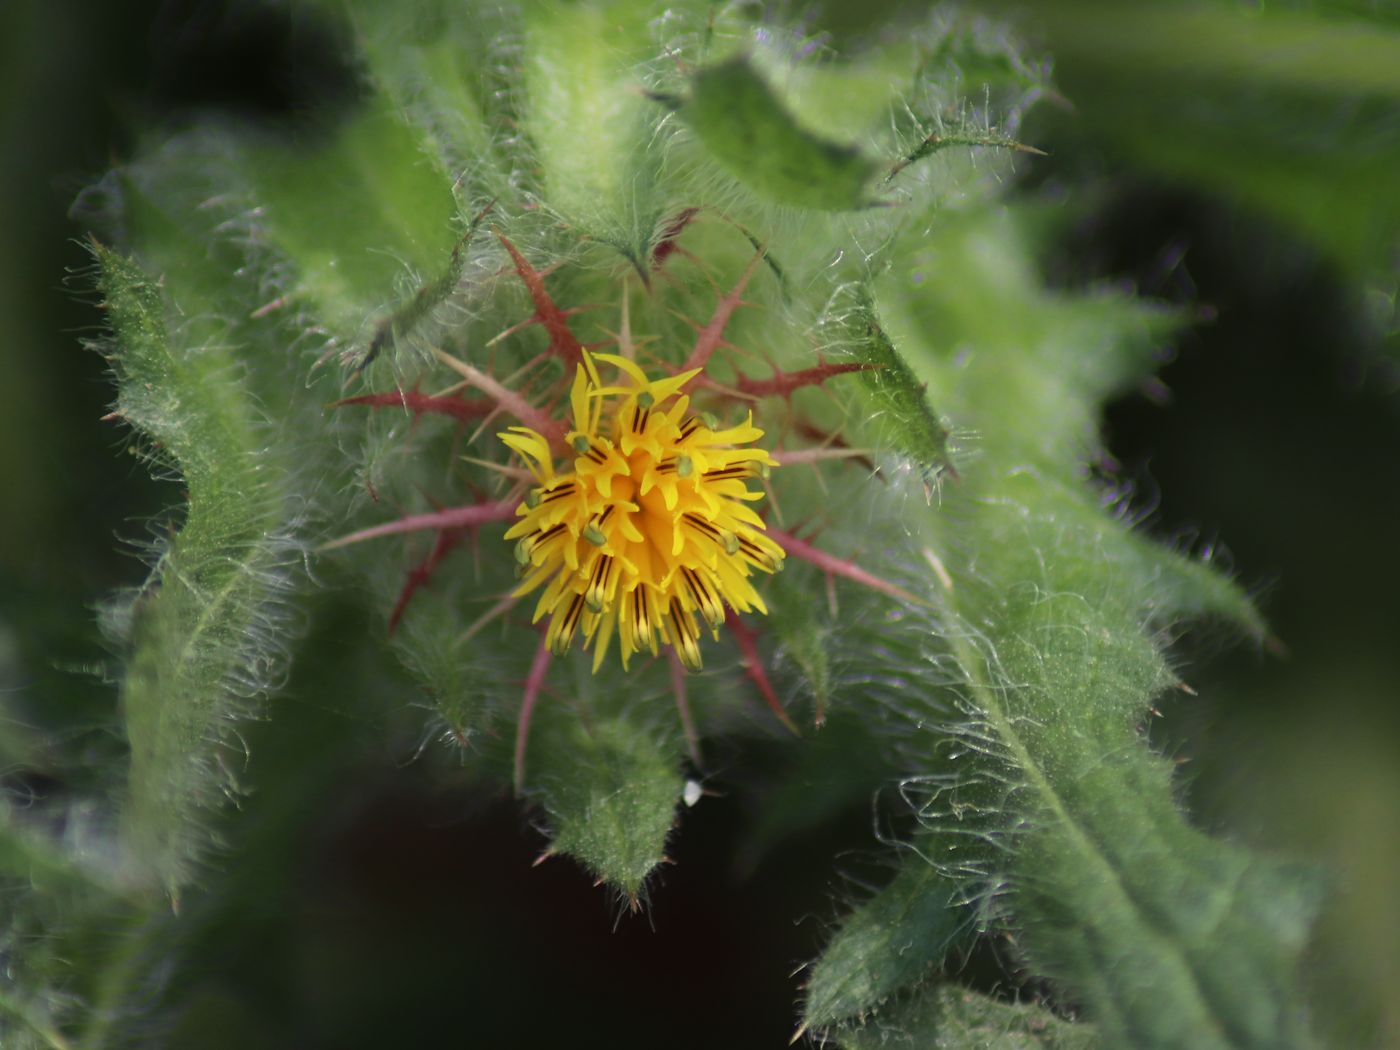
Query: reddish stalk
[
  {"x": 796, "y": 456},
  {"x": 453, "y": 518},
  {"x": 667, "y": 244},
  {"x": 562, "y": 342},
  {"x": 830, "y": 440},
  {"x": 834, "y": 566},
  {"x": 753, "y": 667},
  {"x": 692, "y": 738},
  {"x": 782, "y": 384},
  {"x": 535, "y": 418},
  {"x": 713, "y": 333},
  {"x": 533, "y": 685},
  {"x": 422, "y": 573},
  {"x": 531, "y": 321},
  {"x": 504, "y": 605}
]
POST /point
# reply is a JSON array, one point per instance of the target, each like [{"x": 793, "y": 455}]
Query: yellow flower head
[{"x": 649, "y": 527}]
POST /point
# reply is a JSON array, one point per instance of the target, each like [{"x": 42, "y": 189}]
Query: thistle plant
[{"x": 639, "y": 378}]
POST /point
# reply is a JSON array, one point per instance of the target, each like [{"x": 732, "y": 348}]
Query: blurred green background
[{"x": 1237, "y": 159}]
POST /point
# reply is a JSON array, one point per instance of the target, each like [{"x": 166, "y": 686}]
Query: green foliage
[
  {"x": 898, "y": 395},
  {"x": 1067, "y": 830},
  {"x": 1288, "y": 109},
  {"x": 944, "y": 1018},
  {"x": 987, "y": 650},
  {"x": 390, "y": 209},
  {"x": 888, "y": 944},
  {"x": 746, "y": 129},
  {"x": 589, "y": 123},
  {"x": 805, "y": 638},
  {"x": 202, "y": 632},
  {"x": 615, "y": 800}
]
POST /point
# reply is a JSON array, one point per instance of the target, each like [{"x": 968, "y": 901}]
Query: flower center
[{"x": 651, "y": 530}]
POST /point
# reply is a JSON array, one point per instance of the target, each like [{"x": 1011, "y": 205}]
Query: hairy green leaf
[
  {"x": 611, "y": 791},
  {"x": 941, "y": 1016},
  {"x": 352, "y": 216},
  {"x": 889, "y": 943},
  {"x": 590, "y": 124},
  {"x": 203, "y": 632},
  {"x": 899, "y": 400},
  {"x": 747, "y": 130},
  {"x": 1113, "y": 893}
]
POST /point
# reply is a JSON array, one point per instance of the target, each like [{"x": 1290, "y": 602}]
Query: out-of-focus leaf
[
  {"x": 354, "y": 215},
  {"x": 743, "y": 125},
  {"x": 1289, "y": 112},
  {"x": 589, "y": 122},
  {"x": 941, "y": 1016}
]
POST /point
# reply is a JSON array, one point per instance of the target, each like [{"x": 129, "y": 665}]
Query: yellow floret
[{"x": 649, "y": 526}]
